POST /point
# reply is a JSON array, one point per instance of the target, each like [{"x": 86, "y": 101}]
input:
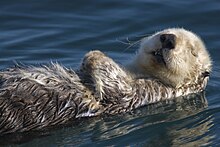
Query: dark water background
[{"x": 34, "y": 31}]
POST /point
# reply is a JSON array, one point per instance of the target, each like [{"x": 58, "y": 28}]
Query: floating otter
[{"x": 32, "y": 98}]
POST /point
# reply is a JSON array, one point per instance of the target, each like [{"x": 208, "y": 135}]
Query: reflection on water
[
  {"x": 194, "y": 134},
  {"x": 178, "y": 122}
]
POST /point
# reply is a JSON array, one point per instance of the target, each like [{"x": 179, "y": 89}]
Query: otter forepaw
[
  {"x": 108, "y": 78},
  {"x": 92, "y": 60}
]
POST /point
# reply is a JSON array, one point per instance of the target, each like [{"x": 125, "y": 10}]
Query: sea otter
[{"x": 32, "y": 98}]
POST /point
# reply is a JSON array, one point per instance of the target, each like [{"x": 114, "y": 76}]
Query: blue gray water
[{"x": 36, "y": 32}]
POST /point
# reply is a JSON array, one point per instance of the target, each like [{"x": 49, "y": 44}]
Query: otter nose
[{"x": 168, "y": 41}]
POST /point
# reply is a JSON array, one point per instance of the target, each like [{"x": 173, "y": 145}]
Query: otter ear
[
  {"x": 206, "y": 74},
  {"x": 196, "y": 47},
  {"x": 194, "y": 53}
]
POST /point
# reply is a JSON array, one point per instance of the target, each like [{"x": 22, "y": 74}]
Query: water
[{"x": 35, "y": 32}]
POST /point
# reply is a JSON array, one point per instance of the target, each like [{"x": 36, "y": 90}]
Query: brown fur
[{"x": 32, "y": 98}]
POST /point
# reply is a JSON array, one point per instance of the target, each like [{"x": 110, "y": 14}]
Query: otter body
[
  {"x": 35, "y": 97},
  {"x": 32, "y": 98}
]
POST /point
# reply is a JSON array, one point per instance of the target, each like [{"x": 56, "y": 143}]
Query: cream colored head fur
[{"x": 175, "y": 56}]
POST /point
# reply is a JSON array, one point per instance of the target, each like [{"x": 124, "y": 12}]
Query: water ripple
[{"x": 35, "y": 32}]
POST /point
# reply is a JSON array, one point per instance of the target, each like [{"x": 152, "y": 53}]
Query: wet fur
[
  {"x": 32, "y": 98},
  {"x": 35, "y": 97}
]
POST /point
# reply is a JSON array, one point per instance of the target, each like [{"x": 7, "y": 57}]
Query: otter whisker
[{"x": 129, "y": 43}]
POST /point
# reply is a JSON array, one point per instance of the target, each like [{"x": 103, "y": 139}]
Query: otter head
[{"x": 175, "y": 56}]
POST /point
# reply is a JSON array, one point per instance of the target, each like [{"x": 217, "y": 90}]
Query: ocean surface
[{"x": 37, "y": 32}]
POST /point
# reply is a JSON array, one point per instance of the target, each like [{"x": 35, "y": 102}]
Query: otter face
[{"x": 174, "y": 56}]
